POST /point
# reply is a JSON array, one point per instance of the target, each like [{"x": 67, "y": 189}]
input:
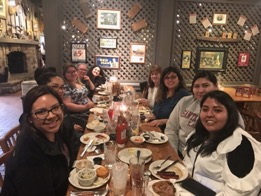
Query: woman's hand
[
  {"x": 89, "y": 105},
  {"x": 156, "y": 123}
]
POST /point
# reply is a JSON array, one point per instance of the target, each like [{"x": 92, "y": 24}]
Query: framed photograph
[
  {"x": 78, "y": 52},
  {"x": 243, "y": 59},
  {"x": 213, "y": 59},
  {"x": 107, "y": 61},
  {"x": 108, "y": 19},
  {"x": 137, "y": 53},
  {"x": 108, "y": 42},
  {"x": 219, "y": 19},
  {"x": 186, "y": 59},
  {"x": 3, "y": 9}
]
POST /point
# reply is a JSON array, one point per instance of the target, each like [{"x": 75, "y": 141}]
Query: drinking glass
[
  {"x": 110, "y": 151},
  {"x": 136, "y": 173},
  {"x": 119, "y": 178},
  {"x": 135, "y": 124}
]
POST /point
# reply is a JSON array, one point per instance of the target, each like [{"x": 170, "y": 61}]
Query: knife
[
  {"x": 164, "y": 169},
  {"x": 86, "y": 148}
]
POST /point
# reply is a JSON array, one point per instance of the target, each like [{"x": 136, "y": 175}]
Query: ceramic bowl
[
  {"x": 137, "y": 139},
  {"x": 82, "y": 164},
  {"x": 86, "y": 177},
  {"x": 99, "y": 128}
]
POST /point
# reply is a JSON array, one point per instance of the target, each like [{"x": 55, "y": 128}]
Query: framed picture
[
  {"x": 219, "y": 19},
  {"x": 186, "y": 59},
  {"x": 78, "y": 52},
  {"x": 213, "y": 59},
  {"x": 107, "y": 61},
  {"x": 108, "y": 19},
  {"x": 108, "y": 42},
  {"x": 243, "y": 59},
  {"x": 3, "y": 9},
  {"x": 137, "y": 53}
]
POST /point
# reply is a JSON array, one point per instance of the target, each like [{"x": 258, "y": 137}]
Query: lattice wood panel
[
  {"x": 185, "y": 37},
  {"x": 128, "y": 72}
]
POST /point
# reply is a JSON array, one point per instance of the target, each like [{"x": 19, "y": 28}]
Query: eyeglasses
[
  {"x": 44, "y": 113},
  {"x": 170, "y": 77},
  {"x": 71, "y": 72},
  {"x": 57, "y": 88}
]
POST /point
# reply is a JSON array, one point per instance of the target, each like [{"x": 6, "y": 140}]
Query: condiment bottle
[{"x": 121, "y": 131}]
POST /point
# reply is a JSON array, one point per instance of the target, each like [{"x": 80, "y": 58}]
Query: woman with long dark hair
[{"x": 219, "y": 153}]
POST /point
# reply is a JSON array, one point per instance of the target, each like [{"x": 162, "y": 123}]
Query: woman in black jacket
[
  {"x": 41, "y": 160},
  {"x": 96, "y": 75}
]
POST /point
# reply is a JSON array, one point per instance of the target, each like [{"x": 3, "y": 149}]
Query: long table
[
  {"x": 159, "y": 151},
  {"x": 231, "y": 91}
]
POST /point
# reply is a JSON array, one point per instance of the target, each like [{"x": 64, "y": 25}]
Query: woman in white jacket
[
  {"x": 220, "y": 154},
  {"x": 182, "y": 119}
]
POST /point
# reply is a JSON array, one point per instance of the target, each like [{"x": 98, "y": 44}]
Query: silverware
[
  {"x": 160, "y": 165},
  {"x": 84, "y": 193},
  {"x": 86, "y": 148},
  {"x": 171, "y": 164}
]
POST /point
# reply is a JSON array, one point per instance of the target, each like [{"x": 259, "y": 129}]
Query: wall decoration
[
  {"x": 219, "y": 19},
  {"x": 79, "y": 25},
  {"x": 85, "y": 8},
  {"x": 137, "y": 53},
  {"x": 186, "y": 59},
  {"x": 139, "y": 25},
  {"x": 3, "y": 8},
  {"x": 243, "y": 59},
  {"x": 78, "y": 52},
  {"x": 108, "y": 19},
  {"x": 134, "y": 10},
  {"x": 107, "y": 61},
  {"x": 108, "y": 42},
  {"x": 214, "y": 59}
]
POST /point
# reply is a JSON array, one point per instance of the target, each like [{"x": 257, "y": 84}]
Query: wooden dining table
[
  {"x": 159, "y": 151},
  {"x": 232, "y": 92}
]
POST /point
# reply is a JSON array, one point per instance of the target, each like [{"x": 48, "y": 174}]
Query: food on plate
[
  {"x": 86, "y": 139},
  {"x": 138, "y": 139},
  {"x": 102, "y": 172},
  {"x": 164, "y": 188},
  {"x": 86, "y": 176},
  {"x": 101, "y": 137},
  {"x": 168, "y": 175},
  {"x": 93, "y": 124}
]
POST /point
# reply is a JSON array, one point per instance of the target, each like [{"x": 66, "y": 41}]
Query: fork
[{"x": 160, "y": 165}]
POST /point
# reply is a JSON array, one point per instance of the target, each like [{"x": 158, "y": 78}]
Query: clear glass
[
  {"x": 110, "y": 152},
  {"x": 119, "y": 178}
]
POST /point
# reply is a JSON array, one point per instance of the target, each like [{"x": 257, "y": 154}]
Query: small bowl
[
  {"x": 137, "y": 139},
  {"x": 100, "y": 128},
  {"x": 86, "y": 177},
  {"x": 82, "y": 164}
]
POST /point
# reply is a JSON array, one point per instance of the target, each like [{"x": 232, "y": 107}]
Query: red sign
[{"x": 243, "y": 59}]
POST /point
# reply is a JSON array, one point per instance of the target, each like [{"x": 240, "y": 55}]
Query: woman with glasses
[
  {"x": 76, "y": 96},
  {"x": 171, "y": 90},
  {"x": 96, "y": 75},
  {"x": 42, "y": 157}
]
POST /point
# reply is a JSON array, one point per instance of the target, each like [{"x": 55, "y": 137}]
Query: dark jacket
[{"x": 37, "y": 167}]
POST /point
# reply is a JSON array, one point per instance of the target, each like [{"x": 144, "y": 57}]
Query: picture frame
[
  {"x": 186, "y": 59},
  {"x": 107, "y": 61},
  {"x": 108, "y": 19},
  {"x": 3, "y": 9},
  {"x": 78, "y": 52},
  {"x": 137, "y": 53},
  {"x": 108, "y": 42},
  {"x": 213, "y": 59},
  {"x": 243, "y": 59},
  {"x": 220, "y": 18}
]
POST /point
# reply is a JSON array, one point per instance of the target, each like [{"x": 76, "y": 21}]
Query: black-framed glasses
[
  {"x": 44, "y": 113},
  {"x": 57, "y": 88},
  {"x": 170, "y": 77}
]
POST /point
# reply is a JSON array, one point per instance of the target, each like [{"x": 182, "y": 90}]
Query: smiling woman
[{"x": 41, "y": 141}]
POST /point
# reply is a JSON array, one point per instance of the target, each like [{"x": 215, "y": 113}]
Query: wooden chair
[
  {"x": 3, "y": 160},
  {"x": 8, "y": 141}
]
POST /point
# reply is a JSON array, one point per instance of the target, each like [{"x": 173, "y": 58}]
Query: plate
[
  {"x": 97, "y": 183},
  {"x": 95, "y": 123},
  {"x": 157, "y": 138},
  {"x": 101, "y": 105},
  {"x": 152, "y": 193},
  {"x": 86, "y": 137},
  {"x": 126, "y": 154},
  {"x": 97, "y": 110},
  {"x": 103, "y": 93},
  {"x": 178, "y": 168}
]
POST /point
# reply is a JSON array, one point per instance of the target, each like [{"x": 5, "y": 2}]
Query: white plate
[
  {"x": 177, "y": 167},
  {"x": 97, "y": 183},
  {"x": 101, "y": 105},
  {"x": 97, "y": 110},
  {"x": 126, "y": 154},
  {"x": 157, "y": 135},
  {"x": 86, "y": 137},
  {"x": 95, "y": 123},
  {"x": 103, "y": 93}
]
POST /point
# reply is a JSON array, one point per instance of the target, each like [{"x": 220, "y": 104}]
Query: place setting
[{"x": 154, "y": 137}]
